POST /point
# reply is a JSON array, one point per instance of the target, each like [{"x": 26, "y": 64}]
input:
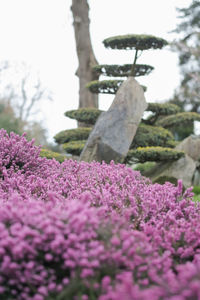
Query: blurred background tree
[
  {"x": 21, "y": 93},
  {"x": 8, "y": 120},
  {"x": 187, "y": 95}
]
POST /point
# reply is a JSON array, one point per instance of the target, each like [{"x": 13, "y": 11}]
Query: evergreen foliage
[
  {"x": 106, "y": 86},
  {"x": 148, "y": 135},
  {"x": 51, "y": 154},
  {"x": 163, "y": 109},
  {"x": 87, "y": 115},
  {"x": 72, "y": 135},
  {"x": 73, "y": 140},
  {"x": 74, "y": 147},
  {"x": 179, "y": 119},
  {"x": 159, "y": 110},
  {"x": 158, "y": 154},
  {"x": 122, "y": 70},
  {"x": 135, "y": 41},
  {"x": 144, "y": 167}
]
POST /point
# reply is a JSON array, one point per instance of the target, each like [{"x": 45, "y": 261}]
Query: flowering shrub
[{"x": 82, "y": 231}]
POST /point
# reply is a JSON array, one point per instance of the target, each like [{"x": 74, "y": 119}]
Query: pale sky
[{"x": 40, "y": 33}]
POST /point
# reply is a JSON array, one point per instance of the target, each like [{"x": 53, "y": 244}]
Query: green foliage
[
  {"x": 134, "y": 41},
  {"x": 182, "y": 118},
  {"x": 159, "y": 110},
  {"x": 172, "y": 143},
  {"x": 196, "y": 198},
  {"x": 196, "y": 190},
  {"x": 50, "y": 155},
  {"x": 10, "y": 124},
  {"x": 144, "y": 167},
  {"x": 158, "y": 154},
  {"x": 122, "y": 70},
  {"x": 8, "y": 120},
  {"x": 147, "y": 135},
  {"x": 87, "y": 115},
  {"x": 188, "y": 47},
  {"x": 181, "y": 132},
  {"x": 106, "y": 86},
  {"x": 76, "y": 134},
  {"x": 163, "y": 109},
  {"x": 74, "y": 147}
]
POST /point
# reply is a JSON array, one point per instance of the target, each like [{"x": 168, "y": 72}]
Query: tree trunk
[{"x": 86, "y": 58}]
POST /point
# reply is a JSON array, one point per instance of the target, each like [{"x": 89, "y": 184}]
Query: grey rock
[
  {"x": 115, "y": 129},
  {"x": 191, "y": 146},
  {"x": 183, "y": 169},
  {"x": 196, "y": 178}
]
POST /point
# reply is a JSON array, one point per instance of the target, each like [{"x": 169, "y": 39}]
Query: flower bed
[{"x": 77, "y": 230}]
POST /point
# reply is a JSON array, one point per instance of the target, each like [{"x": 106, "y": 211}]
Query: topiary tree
[
  {"x": 179, "y": 119},
  {"x": 87, "y": 115},
  {"x": 158, "y": 154},
  {"x": 159, "y": 110},
  {"x": 122, "y": 70},
  {"x": 52, "y": 155},
  {"x": 126, "y": 42},
  {"x": 72, "y": 135},
  {"x": 74, "y": 147},
  {"x": 148, "y": 135},
  {"x": 106, "y": 86}
]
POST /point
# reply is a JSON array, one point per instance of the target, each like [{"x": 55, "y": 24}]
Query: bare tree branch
[{"x": 23, "y": 94}]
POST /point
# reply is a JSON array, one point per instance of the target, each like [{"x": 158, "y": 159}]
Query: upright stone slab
[
  {"x": 115, "y": 129},
  {"x": 191, "y": 146}
]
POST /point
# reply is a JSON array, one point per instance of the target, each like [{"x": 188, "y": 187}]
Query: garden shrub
[
  {"x": 144, "y": 167},
  {"x": 179, "y": 119},
  {"x": 74, "y": 147},
  {"x": 51, "y": 154},
  {"x": 106, "y": 86},
  {"x": 142, "y": 154},
  {"x": 77, "y": 230},
  {"x": 181, "y": 132},
  {"x": 134, "y": 41},
  {"x": 122, "y": 70},
  {"x": 17, "y": 153},
  {"x": 87, "y": 115},
  {"x": 76, "y": 134},
  {"x": 148, "y": 135},
  {"x": 163, "y": 109},
  {"x": 159, "y": 110}
]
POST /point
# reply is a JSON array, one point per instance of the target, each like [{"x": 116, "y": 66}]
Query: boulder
[
  {"x": 115, "y": 129},
  {"x": 191, "y": 146},
  {"x": 183, "y": 169}
]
